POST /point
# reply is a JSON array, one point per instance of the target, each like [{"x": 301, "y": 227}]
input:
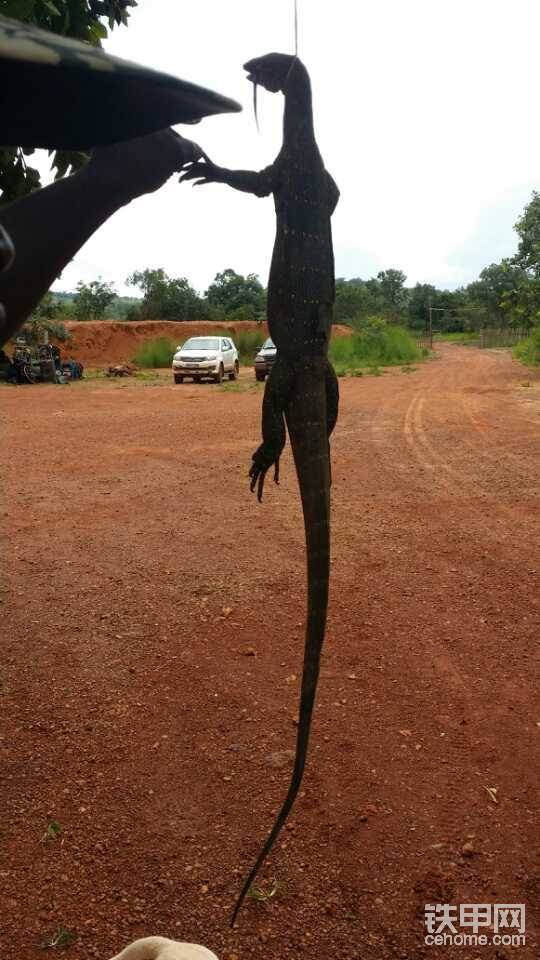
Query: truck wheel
[
  {"x": 178, "y": 379},
  {"x": 196, "y": 379},
  {"x": 261, "y": 377},
  {"x": 219, "y": 375},
  {"x": 235, "y": 371}
]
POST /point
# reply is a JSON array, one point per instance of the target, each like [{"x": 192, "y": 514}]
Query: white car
[{"x": 211, "y": 357}]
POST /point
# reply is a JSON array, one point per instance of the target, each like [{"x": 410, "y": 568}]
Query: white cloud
[{"x": 425, "y": 114}]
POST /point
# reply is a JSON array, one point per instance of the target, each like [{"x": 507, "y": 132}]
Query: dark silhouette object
[
  {"x": 61, "y": 93},
  {"x": 302, "y": 388},
  {"x": 71, "y": 95}
]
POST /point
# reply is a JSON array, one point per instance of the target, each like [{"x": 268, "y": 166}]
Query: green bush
[
  {"x": 528, "y": 351},
  {"x": 155, "y": 353},
  {"x": 248, "y": 343},
  {"x": 374, "y": 343}
]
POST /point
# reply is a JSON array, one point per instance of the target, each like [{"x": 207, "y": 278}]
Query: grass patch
[
  {"x": 262, "y": 895},
  {"x": 53, "y": 831},
  {"x": 155, "y": 353},
  {"x": 248, "y": 343},
  {"x": 528, "y": 351},
  {"x": 464, "y": 336},
  {"x": 240, "y": 386},
  {"x": 374, "y": 344},
  {"x": 148, "y": 376},
  {"x": 61, "y": 939}
]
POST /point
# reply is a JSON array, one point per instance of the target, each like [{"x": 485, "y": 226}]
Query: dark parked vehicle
[
  {"x": 37, "y": 364},
  {"x": 265, "y": 359}
]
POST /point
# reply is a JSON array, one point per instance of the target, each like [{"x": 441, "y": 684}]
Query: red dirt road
[{"x": 151, "y": 650}]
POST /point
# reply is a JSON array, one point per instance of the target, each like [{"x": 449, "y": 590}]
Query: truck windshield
[
  {"x": 268, "y": 344},
  {"x": 202, "y": 343}
]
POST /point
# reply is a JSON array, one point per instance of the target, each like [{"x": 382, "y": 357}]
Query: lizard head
[{"x": 271, "y": 71}]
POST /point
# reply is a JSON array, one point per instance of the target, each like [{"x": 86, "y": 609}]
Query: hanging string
[{"x": 290, "y": 68}]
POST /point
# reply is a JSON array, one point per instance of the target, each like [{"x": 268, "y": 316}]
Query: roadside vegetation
[
  {"x": 528, "y": 351},
  {"x": 155, "y": 353},
  {"x": 248, "y": 343},
  {"x": 374, "y": 343}
]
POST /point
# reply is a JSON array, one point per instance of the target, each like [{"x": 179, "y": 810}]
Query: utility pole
[{"x": 430, "y": 326}]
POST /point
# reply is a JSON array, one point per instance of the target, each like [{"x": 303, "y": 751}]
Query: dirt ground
[{"x": 152, "y": 634}]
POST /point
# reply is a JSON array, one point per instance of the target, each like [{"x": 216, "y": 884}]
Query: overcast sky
[{"x": 426, "y": 113}]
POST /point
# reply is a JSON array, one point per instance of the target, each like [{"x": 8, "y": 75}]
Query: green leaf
[{"x": 98, "y": 30}]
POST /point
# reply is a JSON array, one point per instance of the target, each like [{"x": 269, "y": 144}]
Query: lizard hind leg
[
  {"x": 332, "y": 398},
  {"x": 276, "y": 397}
]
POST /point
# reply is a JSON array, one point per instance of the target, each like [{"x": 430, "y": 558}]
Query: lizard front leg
[
  {"x": 261, "y": 182},
  {"x": 276, "y": 398}
]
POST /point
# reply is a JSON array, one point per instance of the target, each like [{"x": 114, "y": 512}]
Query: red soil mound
[
  {"x": 97, "y": 342},
  {"x": 100, "y": 342}
]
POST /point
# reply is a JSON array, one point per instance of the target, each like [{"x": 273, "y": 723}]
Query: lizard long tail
[{"x": 307, "y": 421}]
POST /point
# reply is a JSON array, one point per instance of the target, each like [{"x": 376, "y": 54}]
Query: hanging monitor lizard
[{"x": 302, "y": 388}]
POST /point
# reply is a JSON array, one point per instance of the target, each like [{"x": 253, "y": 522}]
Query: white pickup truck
[{"x": 210, "y": 357}]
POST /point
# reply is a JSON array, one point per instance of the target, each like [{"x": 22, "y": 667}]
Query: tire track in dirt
[
  {"x": 470, "y": 480},
  {"x": 451, "y": 474}
]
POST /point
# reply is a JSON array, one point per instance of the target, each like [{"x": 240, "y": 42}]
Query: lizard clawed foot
[
  {"x": 257, "y": 480},
  {"x": 258, "y": 476}
]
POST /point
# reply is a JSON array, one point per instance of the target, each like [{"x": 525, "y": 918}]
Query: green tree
[
  {"x": 47, "y": 318},
  {"x": 452, "y": 312},
  {"x": 358, "y": 299},
  {"x": 92, "y": 299},
  {"x": 168, "y": 298},
  {"x": 521, "y": 304},
  {"x": 528, "y": 231},
  {"x": 421, "y": 297},
  {"x": 82, "y": 19},
  {"x": 352, "y": 300},
  {"x": 394, "y": 294},
  {"x": 497, "y": 282},
  {"x": 237, "y": 296}
]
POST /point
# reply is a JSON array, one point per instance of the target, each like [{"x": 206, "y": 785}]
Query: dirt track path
[{"x": 151, "y": 654}]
